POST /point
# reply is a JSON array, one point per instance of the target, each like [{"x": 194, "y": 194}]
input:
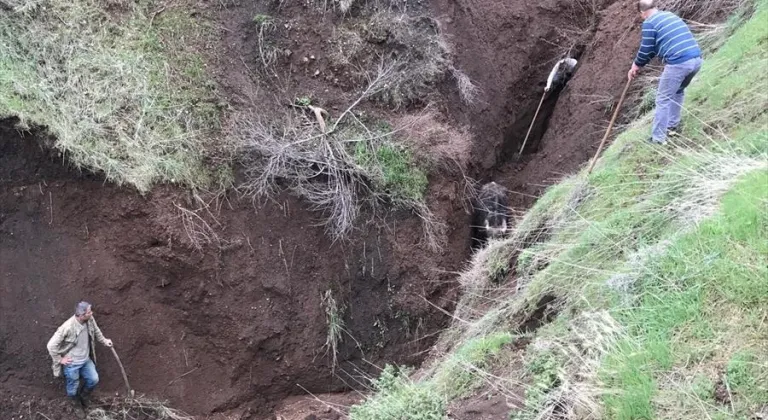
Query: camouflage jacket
[{"x": 65, "y": 338}]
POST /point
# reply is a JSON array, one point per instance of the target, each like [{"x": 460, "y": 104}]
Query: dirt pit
[
  {"x": 239, "y": 324},
  {"x": 217, "y": 304}
]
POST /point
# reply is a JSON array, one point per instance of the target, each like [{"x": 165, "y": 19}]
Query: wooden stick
[
  {"x": 122, "y": 370},
  {"x": 532, "y": 122},
  {"x": 610, "y": 126}
]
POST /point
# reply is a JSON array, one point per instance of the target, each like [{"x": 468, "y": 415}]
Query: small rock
[
  {"x": 311, "y": 57},
  {"x": 317, "y": 72},
  {"x": 305, "y": 60},
  {"x": 287, "y": 52}
]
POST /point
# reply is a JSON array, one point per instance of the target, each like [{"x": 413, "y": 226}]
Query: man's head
[
  {"x": 646, "y": 8},
  {"x": 83, "y": 311}
]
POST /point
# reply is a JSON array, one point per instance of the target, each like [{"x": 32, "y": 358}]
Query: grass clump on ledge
[
  {"x": 657, "y": 263},
  {"x": 393, "y": 169},
  {"x": 399, "y": 397},
  {"x": 122, "y": 90}
]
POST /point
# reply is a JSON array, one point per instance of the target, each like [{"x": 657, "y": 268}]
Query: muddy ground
[{"x": 236, "y": 327}]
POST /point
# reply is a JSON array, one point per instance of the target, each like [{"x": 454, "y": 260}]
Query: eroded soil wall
[{"x": 241, "y": 319}]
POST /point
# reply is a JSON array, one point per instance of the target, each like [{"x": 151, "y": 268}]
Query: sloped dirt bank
[{"x": 236, "y": 325}]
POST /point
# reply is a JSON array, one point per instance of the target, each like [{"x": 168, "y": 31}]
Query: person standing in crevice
[
  {"x": 73, "y": 350},
  {"x": 666, "y": 36}
]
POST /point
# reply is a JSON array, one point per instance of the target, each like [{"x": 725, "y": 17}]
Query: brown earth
[
  {"x": 237, "y": 326},
  {"x": 241, "y": 320}
]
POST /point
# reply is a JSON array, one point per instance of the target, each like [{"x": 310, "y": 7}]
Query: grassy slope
[
  {"x": 119, "y": 85},
  {"x": 658, "y": 261},
  {"x": 124, "y": 90}
]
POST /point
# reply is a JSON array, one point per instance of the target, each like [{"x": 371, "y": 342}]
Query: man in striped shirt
[{"x": 666, "y": 35}]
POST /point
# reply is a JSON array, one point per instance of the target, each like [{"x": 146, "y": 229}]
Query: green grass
[
  {"x": 398, "y": 397},
  {"x": 393, "y": 169},
  {"x": 669, "y": 245},
  {"x": 460, "y": 373},
  {"x": 123, "y": 92}
]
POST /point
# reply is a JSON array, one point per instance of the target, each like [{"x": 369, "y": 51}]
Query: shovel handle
[
  {"x": 610, "y": 126},
  {"x": 122, "y": 370}
]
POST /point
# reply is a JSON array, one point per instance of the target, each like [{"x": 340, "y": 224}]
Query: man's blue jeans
[
  {"x": 73, "y": 373},
  {"x": 670, "y": 95}
]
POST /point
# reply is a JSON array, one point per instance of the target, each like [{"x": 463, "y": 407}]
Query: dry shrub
[
  {"x": 707, "y": 11},
  {"x": 140, "y": 408},
  {"x": 435, "y": 141},
  {"x": 420, "y": 53},
  {"x": 316, "y": 167},
  {"x": 340, "y": 170},
  {"x": 347, "y": 44},
  {"x": 414, "y": 46}
]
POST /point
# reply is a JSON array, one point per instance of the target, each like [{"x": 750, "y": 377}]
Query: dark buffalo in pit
[{"x": 491, "y": 214}]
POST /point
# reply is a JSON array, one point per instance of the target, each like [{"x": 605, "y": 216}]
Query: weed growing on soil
[
  {"x": 458, "y": 375},
  {"x": 334, "y": 317},
  {"x": 121, "y": 94},
  {"x": 268, "y": 53},
  {"x": 657, "y": 260}
]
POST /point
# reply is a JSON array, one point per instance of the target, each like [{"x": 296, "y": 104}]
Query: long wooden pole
[
  {"x": 610, "y": 126},
  {"x": 122, "y": 370},
  {"x": 531, "y": 126}
]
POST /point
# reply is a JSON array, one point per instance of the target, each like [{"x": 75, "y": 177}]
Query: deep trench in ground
[{"x": 238, "y": 325}]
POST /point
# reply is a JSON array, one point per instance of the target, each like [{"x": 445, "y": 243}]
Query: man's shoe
[
  {"x": 673, "y": 131},
  {"x": 659, "y": 142},
  {"x": 77, "y": 406}
]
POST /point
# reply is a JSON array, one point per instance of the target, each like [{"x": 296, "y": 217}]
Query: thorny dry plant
[{"x": 321, "y": 167}]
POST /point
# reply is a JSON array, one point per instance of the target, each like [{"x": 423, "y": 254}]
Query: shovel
[
  {"x": 610, "y": 126},
  {"x": 520, "y": 153},
  {"x": 122, "y": 370}
]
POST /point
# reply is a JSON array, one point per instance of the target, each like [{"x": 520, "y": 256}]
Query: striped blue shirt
[{"x": 667, "y": 36}]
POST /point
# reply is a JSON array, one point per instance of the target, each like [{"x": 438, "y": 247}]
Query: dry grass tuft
[
  {"x": 435, "y": 141},
  {"x": 708, "y": 180},
  {"x": 140, "y": 408},
  {"x": 268, "y": 53},
  {"x": 468, "y": 91},
  {"x": 334, "y": 317},
  {"x": 420, "y": 55},
  {"x": 703, "y": 10}
]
